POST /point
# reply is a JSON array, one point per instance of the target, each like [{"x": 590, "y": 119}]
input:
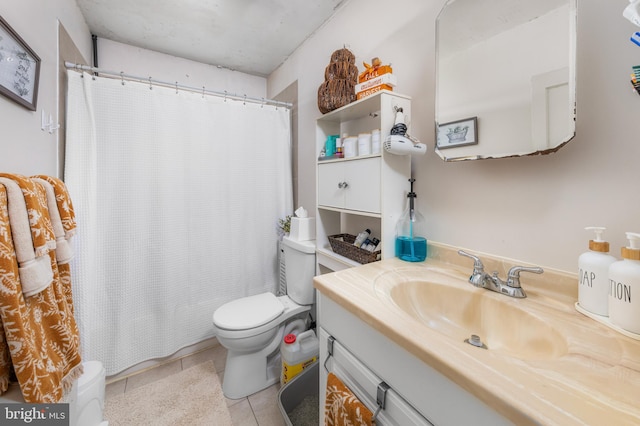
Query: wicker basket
[{"x": 343, "y": 245}]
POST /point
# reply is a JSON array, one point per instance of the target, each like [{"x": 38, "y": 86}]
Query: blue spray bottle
[{"x": 411, "y": 246}]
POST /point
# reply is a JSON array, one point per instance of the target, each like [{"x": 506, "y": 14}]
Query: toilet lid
[{"x": 248, "y": 312}]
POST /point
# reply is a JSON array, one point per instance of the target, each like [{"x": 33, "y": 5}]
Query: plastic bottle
[
  {"x": 297, "y": 353},
  {"x": 372, "y": 244},
  {"x": 365, "y": 244},
  {"x": 593, "y": 279},
  {"x": 362, "y": 237},
  {"x": 410, "y": 245},
  {"x": 624, "y": 287},
  {"x": 330, "y": 145}
]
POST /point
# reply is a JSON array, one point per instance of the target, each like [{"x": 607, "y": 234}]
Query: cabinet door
[
  {"x": 363, "y": 185},
  {"x": 331, "y": 189}
]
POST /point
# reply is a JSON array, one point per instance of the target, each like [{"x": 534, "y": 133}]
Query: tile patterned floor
[{"x": 259, "y": 409}]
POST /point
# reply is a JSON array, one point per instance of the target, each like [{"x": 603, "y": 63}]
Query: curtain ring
[
  {"x": 150, "y": 85},
  {"x": 244, "y": 102},
  {"x": 202, "y": 92},
  {"x": 176, "y": 87},
  {"x": 263, "y": 102},
  {"x": 225, "y": 96},
  {"x": 122, "y": 77}
]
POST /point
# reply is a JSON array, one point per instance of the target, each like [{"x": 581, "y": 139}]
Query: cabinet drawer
[{"x": 350, "y": 185}]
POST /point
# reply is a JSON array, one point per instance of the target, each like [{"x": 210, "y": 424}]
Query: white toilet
[{"x": 252, "y": 328}]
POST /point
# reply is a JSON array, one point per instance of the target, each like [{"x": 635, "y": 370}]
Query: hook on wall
[{"x": 47, "y": 123}]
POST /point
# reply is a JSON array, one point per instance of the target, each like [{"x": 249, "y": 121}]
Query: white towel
[
  {"x": 64, "y": 251},
  {"x": 35, "y": 272}
]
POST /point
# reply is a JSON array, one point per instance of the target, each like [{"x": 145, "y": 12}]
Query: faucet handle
[
  {"x": 478, "y": 267},
  {"x": 513, "y": 278}
]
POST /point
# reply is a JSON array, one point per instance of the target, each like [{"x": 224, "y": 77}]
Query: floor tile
[
  {"x": 265, "y": 407},
  {"x": 241, "y": 414},
  {"x": 115, "y": 388},
  {"x": 219, "y": 357},
  {"x": 199, "y": 358}
]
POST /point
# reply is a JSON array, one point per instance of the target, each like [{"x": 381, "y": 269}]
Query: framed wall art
[
  {"x": 458, "y": 133},
  {"x": 19, "y": 68}
]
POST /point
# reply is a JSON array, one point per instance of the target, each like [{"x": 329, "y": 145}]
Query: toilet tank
[{"x": 300, "y": 268}]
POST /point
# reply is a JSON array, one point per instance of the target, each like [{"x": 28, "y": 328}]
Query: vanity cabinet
[
  {"x": 360, "y": 192},
  {"x": 418, "y": 395}
]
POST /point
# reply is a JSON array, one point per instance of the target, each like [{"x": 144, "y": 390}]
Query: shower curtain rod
[{"x": 129, "y": 77}]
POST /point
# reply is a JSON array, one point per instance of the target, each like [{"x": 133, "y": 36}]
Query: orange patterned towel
[
  {"x": 31, "y": 232},
  {"x": 342, "y": 407},
  {"x": 39, "y": 336},
  {"x": 65, "y": 207}
]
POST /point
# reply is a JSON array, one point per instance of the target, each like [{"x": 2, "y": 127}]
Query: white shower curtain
[{"x": 177, "y": 197}]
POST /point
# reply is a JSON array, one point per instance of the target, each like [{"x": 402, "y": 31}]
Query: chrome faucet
[{"x": 510, "y": 287}]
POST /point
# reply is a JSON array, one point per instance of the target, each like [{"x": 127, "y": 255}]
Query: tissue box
[{"x": 303, "y": 228}]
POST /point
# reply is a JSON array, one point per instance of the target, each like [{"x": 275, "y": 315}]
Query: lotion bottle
[
  {"x": 593, "y": 278},
  {"x": 624, "y": 287}
]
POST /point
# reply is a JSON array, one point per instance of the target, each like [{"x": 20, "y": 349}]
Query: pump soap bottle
[
  {"x": 593, "y": 281},
  {"x": 624, "y": 287},
  {"x": 410, "y": 245}
]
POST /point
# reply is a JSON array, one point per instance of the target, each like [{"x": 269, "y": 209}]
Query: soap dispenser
[
  {"x": 624, "y": 287},
  {"x": 593, "y": 279},
  {"x": 411, "y": 246}
]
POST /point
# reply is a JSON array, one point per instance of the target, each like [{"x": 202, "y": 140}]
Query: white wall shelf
[{"x": 377, "y": 184}]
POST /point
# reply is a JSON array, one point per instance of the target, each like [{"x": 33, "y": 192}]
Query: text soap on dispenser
[
  {"x": 624, "y": 287},
  {"x": 593, "y": 279}
]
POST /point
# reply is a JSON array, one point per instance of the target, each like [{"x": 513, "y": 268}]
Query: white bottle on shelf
[
  {"x": 624, "y": 287},
  {"x": 362, "y": 237},
  {"x": 593, "y": 279}
]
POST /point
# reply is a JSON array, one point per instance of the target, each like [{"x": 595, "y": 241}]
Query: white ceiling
[{"x": 251, "y": 36}]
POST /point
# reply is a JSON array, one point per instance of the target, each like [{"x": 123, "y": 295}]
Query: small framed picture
[
  {"x": 19, "y": 68},
  {"x": 457, "y": 133}
]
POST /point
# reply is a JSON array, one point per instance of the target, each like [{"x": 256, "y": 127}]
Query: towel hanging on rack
[
  {"x": 342, "y": 407},
  {"x": 39, "y": 339}
]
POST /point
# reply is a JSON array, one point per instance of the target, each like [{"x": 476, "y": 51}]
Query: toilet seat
[
  {"x": 248, "y": 312},
  {"x": 286, "y": 307}
]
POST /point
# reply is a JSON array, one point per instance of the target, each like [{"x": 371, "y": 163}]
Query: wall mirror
[{"x": 505, "y": 78}]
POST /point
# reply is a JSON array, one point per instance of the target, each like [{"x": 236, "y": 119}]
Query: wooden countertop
[{"x": 596, "y": 379}]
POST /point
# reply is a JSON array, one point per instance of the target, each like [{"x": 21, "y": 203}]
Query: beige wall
[
  {"x": 114, "y": 56},
  {"x": 531, "y": 209},
  {"x": 24, "y": 147}
]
